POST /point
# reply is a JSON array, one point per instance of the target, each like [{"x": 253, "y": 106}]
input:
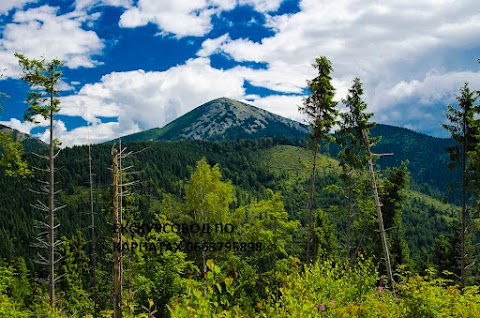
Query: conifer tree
[
  {"x": 43, "y": 77},
  {"x": 321, "y": 114},
  {"x": 353, "y": 156},
  {"x": 393, "y": 197},
  {"x": 463, "y": 128},
  {"x": 357, "y": 126}
]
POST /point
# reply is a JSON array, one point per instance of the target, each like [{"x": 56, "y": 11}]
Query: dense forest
[
  {"x": 319, "y": 226},
  {"x": 258, "y": 181}
]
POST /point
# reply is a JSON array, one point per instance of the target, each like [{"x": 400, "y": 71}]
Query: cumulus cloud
[
  {"x": 262, "y": 5},
  {"x": 41, "y": 32},
  {"x": 139, "y": 100},
  {"x": 391, "y": 46},
  {"x": 421, "y": 104},
  {"x": 283, "y": 105},
  {"x": 90, "y": 4},
  {"x": 186, "y": 17},
  {"x": 433, "y": 88},
  {"x": 24, "y": 127},
  {"x": 411, "y": 57},
  {"x": 212, "y": 46},
  {"x": 6, "y": 6},
  {"x": 179, "y": 17}
]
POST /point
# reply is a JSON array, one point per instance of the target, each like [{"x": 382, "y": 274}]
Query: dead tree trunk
[
  {"x": 310, "y": 238},
  {"x": 349, "y": 222},
  {"x": 117, "y": 242},
  {"x": 94, "y": 239},
  {"x": 383, "y": 234}
]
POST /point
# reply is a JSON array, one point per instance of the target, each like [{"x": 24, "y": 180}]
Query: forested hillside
[{"x": 267, "y": 177}]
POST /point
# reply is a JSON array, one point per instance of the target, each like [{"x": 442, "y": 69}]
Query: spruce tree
[
  {"x": 357, "y": 122},
  {"x": 321, "y": 114},
  {"x": 353, "y": 156},
  {"x": 463, "y": 128},
  {"x": 393, "y": 198}
]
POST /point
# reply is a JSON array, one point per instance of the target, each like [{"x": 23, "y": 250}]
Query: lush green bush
[{"x": 327, "y": 289}]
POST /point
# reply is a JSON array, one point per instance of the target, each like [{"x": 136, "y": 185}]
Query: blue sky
[{"x": 134, "y": 65}]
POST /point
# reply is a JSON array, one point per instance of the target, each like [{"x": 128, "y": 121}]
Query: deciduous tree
[{"x": 11, "y": 152}]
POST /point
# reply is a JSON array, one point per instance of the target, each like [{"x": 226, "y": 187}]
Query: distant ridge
[
  {"x": 224, "y": 119},
  {"x": 30, "y": 144}
]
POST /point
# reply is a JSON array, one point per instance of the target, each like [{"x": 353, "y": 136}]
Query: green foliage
[
  {"x": 257, "y": 213},
  {"x": 325, "y": 235},
  {"x": 464, "y": 129},
  {"x": 11, "y": 153},
  {"x": 354, "y": 124},
  {"x": 73, "y": 268},
  {"x": 393, "y": 199},
  {"x": 42, "y": 77},
  {"x": 462, "y": 126},
  {"x": 319, "y": 106},
  {"x": 430, "y": 296},
  {"x": 207, "y": 196},
  {"x": 215, "y": 299},
  {"x": 328, "y": 290},
  {"x": 11, "y": 293}
]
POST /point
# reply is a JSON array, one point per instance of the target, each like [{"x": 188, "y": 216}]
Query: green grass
[{"x": 296, "y": 161}]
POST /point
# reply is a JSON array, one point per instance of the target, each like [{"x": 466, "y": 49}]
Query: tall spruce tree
[
  {"x": 42, "y": 78},
  {"x": 353, "y": 156},
  {"x": 463, "y": 128},
  {"x": 321, "y": 114},
  {"x": 357, "y": 121}
]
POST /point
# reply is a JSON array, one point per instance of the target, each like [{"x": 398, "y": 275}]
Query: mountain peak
[{"x": 225, "y": 119}]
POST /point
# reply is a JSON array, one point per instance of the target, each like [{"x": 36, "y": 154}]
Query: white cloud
[
  {"x": 433, "y": 89},
  {"x": 41, "y": 32},
  {"x": 7, "y": 5},
  {"x": 382, "y": 43},
  {"x": 283, "y": 105},
  {"x": 281, "y": 77},
  {"x": 179, "y": 17},
  {"x": 262, "y": 5},
  {"x": 139, "y": 100},
  {"x": 90, "y": 4},
  {"x": 24, "y": 127},
  {"x": 212, "y": 46},
  {"x": 421, "y": 104},
  {"x": 87, "y": 134},
  {"x": 186, "y": 17}
]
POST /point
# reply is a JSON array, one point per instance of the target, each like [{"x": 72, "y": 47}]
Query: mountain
[
  {"x": 426, "y": 154},
  {"x": 30, "y": 144},
  {"x": 224, "y": 119},
  {"x": 427, "y": 158}
]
